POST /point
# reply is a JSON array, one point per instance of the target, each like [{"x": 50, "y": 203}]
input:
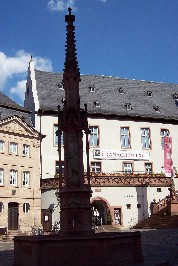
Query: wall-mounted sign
[
  {"x": 167, "y": 156},
  {"x": 103, "y": 154}
]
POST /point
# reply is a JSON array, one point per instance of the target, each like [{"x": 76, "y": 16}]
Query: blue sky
[{"x": 136, "y": 39}]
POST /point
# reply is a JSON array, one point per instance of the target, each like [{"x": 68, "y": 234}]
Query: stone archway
[{"x": 102, "y": 206}]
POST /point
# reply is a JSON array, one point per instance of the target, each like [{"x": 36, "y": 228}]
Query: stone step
[
  {"x": 159, "y": 222},
  {"x": 11, "y": 233}
]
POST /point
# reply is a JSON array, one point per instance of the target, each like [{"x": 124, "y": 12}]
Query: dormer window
[
  {"x": 121, "y": 90},
  {"x": 92, "y": 88},
  {"x": 61, "y": 85},
  {"x": 149, "y": 93},
  {"x": 175, "y": 96},
  {"x": 128, "y": 106},
  {"x": 97, "y": 104},
  {"x": 156, "y": 108}
]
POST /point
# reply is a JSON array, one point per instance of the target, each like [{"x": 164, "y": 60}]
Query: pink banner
[{"x": 167, "y": 156}]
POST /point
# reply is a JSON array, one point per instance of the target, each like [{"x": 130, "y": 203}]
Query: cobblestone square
[{"x": 159, "y": 247}]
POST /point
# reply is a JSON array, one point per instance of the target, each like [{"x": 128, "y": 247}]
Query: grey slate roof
[
  {"x": 9, "y": 108},
  {"x": 108, "y": 92}
]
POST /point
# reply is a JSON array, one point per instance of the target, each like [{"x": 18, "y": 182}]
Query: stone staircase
[
  {"x": 106, "y": 228},
  {"x": 11, "y": 233},
  {"x": 156, "y": 221}
]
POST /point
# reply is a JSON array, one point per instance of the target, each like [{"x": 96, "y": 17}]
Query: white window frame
[
  {"x": 94, "y": 136},
  {"x": 13, "y": 147},
  {"x": 148, "y": 168},
  {"x": 57, "y": 167},
  {"x": 26, "y": 207},
  {"x": 13, "y": 177},
  {"x": 127, "y": 167},
  {"x": 56, "y": 137},
  {"x": 1, "y": 177},
  {"x": 26, "y": 150},
  {"x": 1, "y": 146},
  {"x": 125, "y": 138},
  {"x": 26, "y": 179},
  {"x": 145, "y": 138},
  {"x": 164, "y": 133},
  {"x": 1, "y": 207},
  {"x": 95, "y": 167}
]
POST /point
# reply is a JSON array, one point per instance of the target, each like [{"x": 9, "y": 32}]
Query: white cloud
[
  {"x": 17, "y": 65},
  {"x": 19, "y": 89},
  {"x": 104, "y": 1},
  {"x": 61, "y": 5}
]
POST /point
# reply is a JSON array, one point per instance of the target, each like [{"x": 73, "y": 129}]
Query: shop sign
[{"x": 104, "y": 154}]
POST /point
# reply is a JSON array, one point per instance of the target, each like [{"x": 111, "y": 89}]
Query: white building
[{"x": 128, "y": 120}]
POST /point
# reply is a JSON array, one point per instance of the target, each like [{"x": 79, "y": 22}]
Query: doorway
[
  {"x": 13, "y": 216},
  {"x": 100, "y": 208},
  {"x": 46, "y": 219}
]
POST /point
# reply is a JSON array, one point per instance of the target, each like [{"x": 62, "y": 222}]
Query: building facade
[
  {"x": 128, "y": 121},
  {"x": 20, "y": 194}
]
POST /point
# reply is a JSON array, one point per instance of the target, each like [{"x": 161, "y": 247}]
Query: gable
[{"x": 15, "y": 125}]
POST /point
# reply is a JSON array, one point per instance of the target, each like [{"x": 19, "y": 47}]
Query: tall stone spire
[
  {"x": 71, "y": 75},
  {"x": 74, "y": 193},
  {"x": 71, "y": 63}
]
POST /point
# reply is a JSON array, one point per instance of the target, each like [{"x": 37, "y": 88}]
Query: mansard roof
[
  {"x": 108, "y": 95},
  {"x": 8, "y": 108}
]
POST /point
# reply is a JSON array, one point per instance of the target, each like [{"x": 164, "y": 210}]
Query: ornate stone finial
[{"x": 69, "y": 9}]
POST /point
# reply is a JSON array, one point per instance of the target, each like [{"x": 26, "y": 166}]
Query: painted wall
[{"x": 109, "y": 138}]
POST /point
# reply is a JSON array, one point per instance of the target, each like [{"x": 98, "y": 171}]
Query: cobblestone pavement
[
  {"x": 159, "y": 247},
  {"x": 6, "y": 253}
]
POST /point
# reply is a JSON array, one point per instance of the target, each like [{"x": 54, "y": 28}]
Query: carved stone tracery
[{"x": 114, "y": 181}]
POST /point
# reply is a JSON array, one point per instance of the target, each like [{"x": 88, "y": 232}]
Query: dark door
[
  {"x": 46, "y": 220},
  {"x": 13, "y": 216}
]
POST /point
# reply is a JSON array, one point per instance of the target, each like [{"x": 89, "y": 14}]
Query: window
[
  {"x": 96, "y": 104},
  {"x": 56, "y": 137},
  {"x": 94, "y": 136},
  {"x": 149, "y": 93},
  {"x": 159, "y": 189},
  {"x": 127, "y": 168},
  {"x": 57, "y": 167},
  {"x": 138, "y": 206},
  {"x": 26, "y": 207},
  {"x": 1, "y": 177},
  {"x": 128, "y": 106},
  {"x": 13, "y": 147},
  {"x": 145, "y": 138},
  {"x": 92, "y": 88},
  {"x": 1, "y": 207},
  {"x": 13, "y": 177},
  {"x": 26, "y": 179},
  {"x": 164, "y": 133},
  {"x": 1, "y": 145},
  {"x": 125, "y": 137},
  {"x": 26, "y": 149},
  {"x": 95, "y": 167},
  {"x": 121, "y": 90},
  {"x": 148, "y": 168},
  {"x": 128, "y": 206}
]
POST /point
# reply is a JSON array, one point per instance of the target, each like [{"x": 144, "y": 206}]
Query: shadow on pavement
[{"x": 6, "y": 257}]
